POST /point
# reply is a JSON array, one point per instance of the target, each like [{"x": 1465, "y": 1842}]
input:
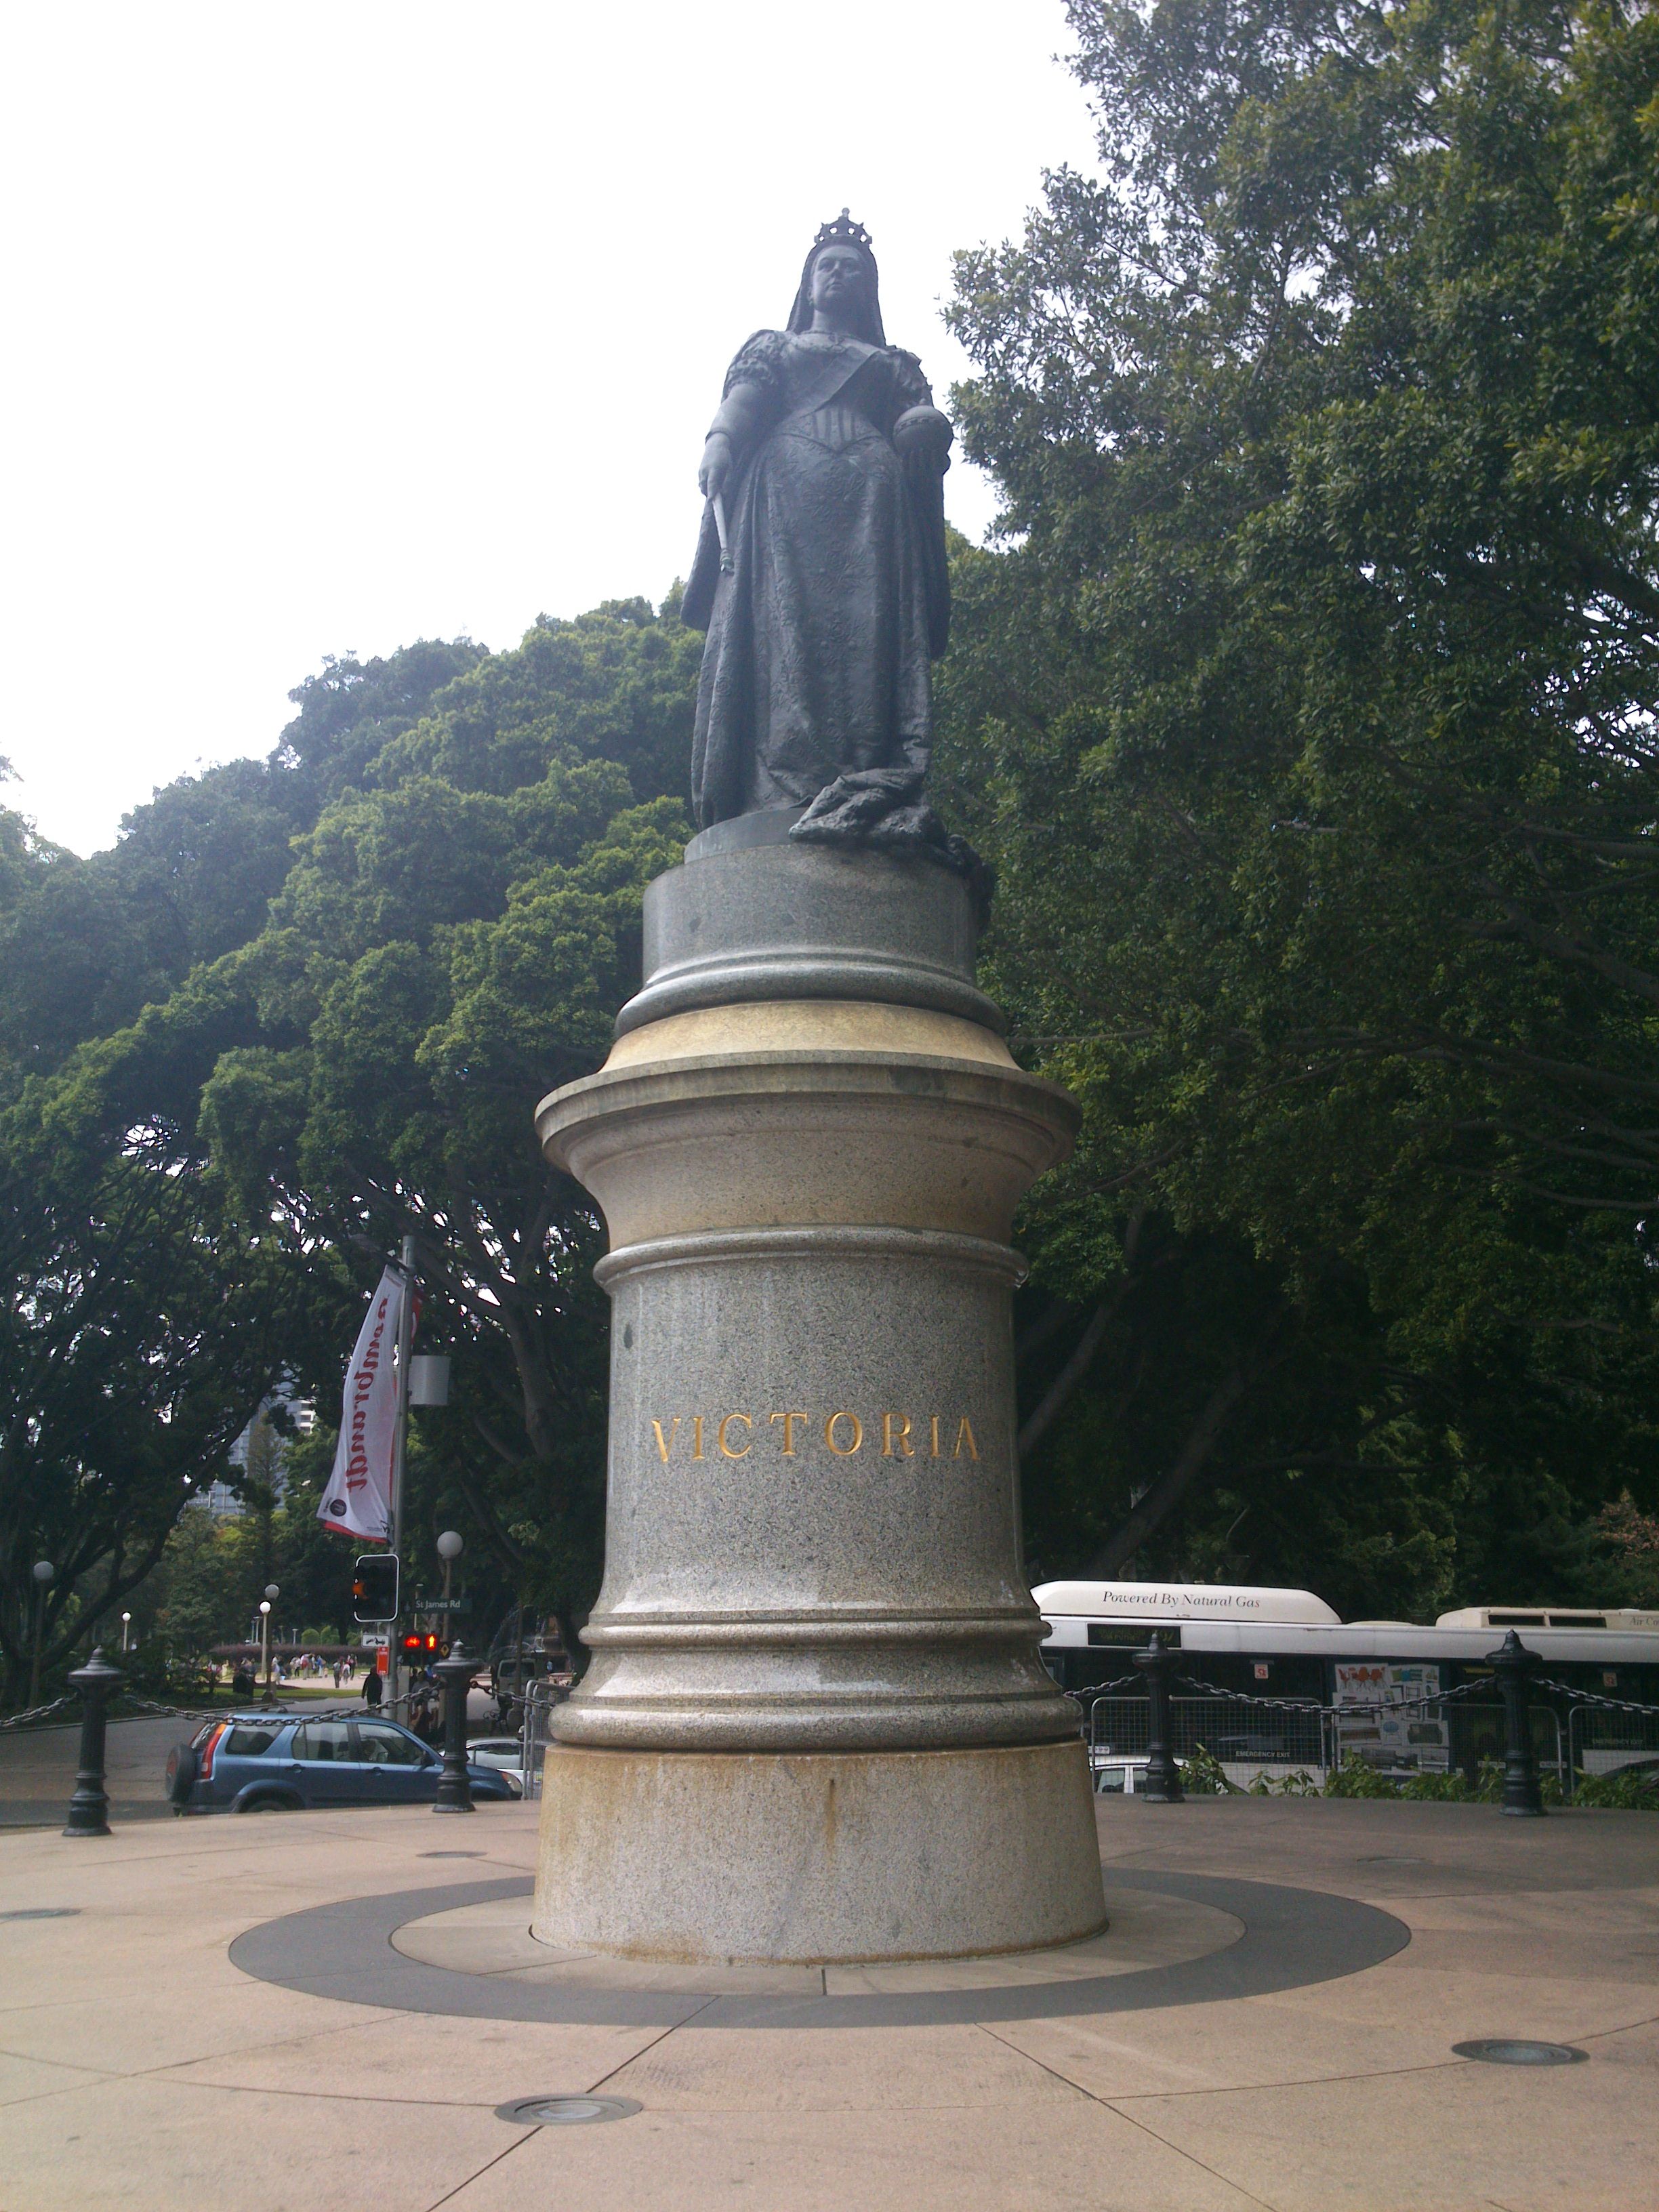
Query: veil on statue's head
[{"x": 843, "y": 231}]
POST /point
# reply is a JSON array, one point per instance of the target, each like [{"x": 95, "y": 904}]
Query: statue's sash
[{"x": 830, "y": 378}]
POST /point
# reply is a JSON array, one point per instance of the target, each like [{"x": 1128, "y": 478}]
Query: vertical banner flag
[{"x": 358, "y": 1500}]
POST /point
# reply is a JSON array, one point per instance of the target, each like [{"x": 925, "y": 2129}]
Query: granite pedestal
[{"x": 816, "y": 1725}]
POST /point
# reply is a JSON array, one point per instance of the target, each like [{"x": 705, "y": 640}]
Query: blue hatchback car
[{"x": 282, "y": 1762}]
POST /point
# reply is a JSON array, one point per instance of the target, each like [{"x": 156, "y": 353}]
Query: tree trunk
[
  {"x": 1053, "y": 1401},
  {"x": 1148, "y": 1514}
]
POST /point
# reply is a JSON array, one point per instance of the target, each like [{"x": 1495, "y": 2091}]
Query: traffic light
[
  {"x": 374, "y": 1589},
  {"x": 420, "y": 1648}
]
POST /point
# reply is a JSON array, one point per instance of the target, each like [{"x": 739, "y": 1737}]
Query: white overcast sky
[{"x": 340, "y": 323}]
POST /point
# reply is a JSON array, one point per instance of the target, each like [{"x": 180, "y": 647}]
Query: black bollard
[
  {"x": 454, "y": 1784},
  {"x": 88, "y": 1809},
  {"x": 1162, "y": 1783},
  {"x": 1512, "y": 1663}
]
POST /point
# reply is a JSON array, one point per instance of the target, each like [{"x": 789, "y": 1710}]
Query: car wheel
[{"x": 268, "y": 1805}]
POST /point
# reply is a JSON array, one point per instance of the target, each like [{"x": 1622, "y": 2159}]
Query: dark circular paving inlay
[
  {"x": 1292, "y": 1937},
  {"x": 44, "y": 1912},
  {"x": 566, "y": 2111},
  {"x": 1518, "y": 2050}
]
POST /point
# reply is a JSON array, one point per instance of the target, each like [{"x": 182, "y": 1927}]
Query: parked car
[
  {"x": 504, "y": 1752},
  {"x": 1116, "y": 1772},
  {"x": 284, "y": 1762}
]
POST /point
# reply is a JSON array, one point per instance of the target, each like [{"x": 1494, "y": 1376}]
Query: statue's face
[{"x": 837, "y": 279}]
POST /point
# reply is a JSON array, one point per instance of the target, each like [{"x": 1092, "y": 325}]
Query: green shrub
[
  {"x": 1489, "y": 1789},
  {"x": 1202, "y": 1776},
  {"x": 1438, "y": 1789},
  {"x": 1628, "y": 1789},
  {"x": 1355, "y": 1778},
  {"x": 1301, "y": 1783}
]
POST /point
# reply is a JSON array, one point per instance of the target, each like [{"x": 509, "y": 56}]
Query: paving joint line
[
  {"x": 1214, "y": 2172},
  {"x": 450, "y": 2196},
  {"x": 486, "y": 2104},
  {"x": 1107, "y": 2104},
  {"x": 673, "y": 2029}
]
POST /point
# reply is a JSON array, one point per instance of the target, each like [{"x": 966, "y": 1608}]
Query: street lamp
[
  {"x": 125, "y": 1619},
  {"x": 43, "y": 1570},
  {"x": 264, "y": 1640},
  {"x": 450, "y": 1549}
]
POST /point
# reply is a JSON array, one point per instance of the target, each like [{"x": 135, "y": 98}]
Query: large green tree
[
  {"x": 1310, "y": 716},
  {"x": 142, "y": 1320},
  {"x": 453, "y": 934}
]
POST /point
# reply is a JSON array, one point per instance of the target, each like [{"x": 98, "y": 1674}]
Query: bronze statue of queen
[{"x": 820, "y": 575}]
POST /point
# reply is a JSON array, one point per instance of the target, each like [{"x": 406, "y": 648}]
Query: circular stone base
[
  {"x": 843, "y": 1856},
  {"x": 1145, "y": 1931},
  {"x": 384, "y": 1951}
]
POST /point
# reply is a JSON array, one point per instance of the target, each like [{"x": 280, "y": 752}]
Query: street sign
[{"x": 440, "y": 1605}]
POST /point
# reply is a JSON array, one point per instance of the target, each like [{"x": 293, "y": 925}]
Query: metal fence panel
[
  {"x": 535, "y": 1734},
  {"x": 1600, "y": 1741},
  {"x": 1478, "y": 1733},
  {"x": 1240, "y": 1731}
]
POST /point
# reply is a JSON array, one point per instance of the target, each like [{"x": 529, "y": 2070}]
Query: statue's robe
[{"x": 816, "y": 666}]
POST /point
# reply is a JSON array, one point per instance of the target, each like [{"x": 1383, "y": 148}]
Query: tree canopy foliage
[
  {"x": 1310, "y": 716},
  {"x": 312, "y": 1002}
]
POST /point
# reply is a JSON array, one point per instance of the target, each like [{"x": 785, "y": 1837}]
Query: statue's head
[{"x": 840, "y": 272}]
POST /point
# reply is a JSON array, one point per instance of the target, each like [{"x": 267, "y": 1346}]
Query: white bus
[{"x": 1371, "y": 1677}]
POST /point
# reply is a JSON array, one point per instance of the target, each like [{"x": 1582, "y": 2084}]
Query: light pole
[
  {"x": 1512, "y": 1663},
  {"x": 400, "y": 1442},
  {"x": 1162, "y": 1785},
  {"x": 454, "y": 1784},
  {"x": 43, "y": 1570},
  {"x": 125, "y": 1619},
  {"x": 264, "y": 1642},
  {"x": 450, "y": 1548}
]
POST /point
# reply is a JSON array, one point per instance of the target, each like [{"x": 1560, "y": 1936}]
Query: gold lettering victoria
[{"x": 681, "y": 1436}]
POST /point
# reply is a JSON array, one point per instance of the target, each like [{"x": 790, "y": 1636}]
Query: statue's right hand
[{"x": 716, "y": 466}]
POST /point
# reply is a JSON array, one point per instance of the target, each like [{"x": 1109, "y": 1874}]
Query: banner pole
[{"x": 399, "y": 1451}]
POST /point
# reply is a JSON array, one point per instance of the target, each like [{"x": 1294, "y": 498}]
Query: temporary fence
[
  {"x": 1235, "y": 1729},
  {"x": 1603, "y": 1734},
  {"x": 535, "y": 1732},
  {"x": 1600, "y": 1734}
]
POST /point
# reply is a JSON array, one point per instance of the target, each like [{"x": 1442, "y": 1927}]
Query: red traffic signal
[
  {"x": 420, "y": 1649},
  {"x": 374, "y": 1589}
]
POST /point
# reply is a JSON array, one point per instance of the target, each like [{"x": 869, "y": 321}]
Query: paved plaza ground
[{"x": 1226, "y": 2045}]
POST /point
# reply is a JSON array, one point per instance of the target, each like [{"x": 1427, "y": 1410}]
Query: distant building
[{"x": 223, "y": 1502}]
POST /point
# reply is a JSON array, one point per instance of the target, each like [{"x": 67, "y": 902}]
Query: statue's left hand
[{"x": 924, "y": 431}]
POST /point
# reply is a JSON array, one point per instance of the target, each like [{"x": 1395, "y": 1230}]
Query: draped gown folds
[{"x": 815, "y": 681}]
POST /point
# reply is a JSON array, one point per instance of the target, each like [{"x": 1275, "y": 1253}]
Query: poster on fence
[{"x": 1378, "y": 1717}]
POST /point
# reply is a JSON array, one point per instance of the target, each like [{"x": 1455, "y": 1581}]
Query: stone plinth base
[{"x": 815, "y": 1857}]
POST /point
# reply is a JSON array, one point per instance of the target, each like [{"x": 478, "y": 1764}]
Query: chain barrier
[
  {"x": 36, "y": 1713},
  {"x": 1479, "y": 1688},
  {"x": 1433, "y": 1698},
  {"x": 344, "y": 1712},
  {"x": 1590, "y": 1697},
  {"x": 172, "y": 1712},
  {"x": 1244, "y": 1698}
]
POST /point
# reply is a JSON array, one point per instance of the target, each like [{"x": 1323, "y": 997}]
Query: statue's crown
[{"x": 843, "y": 231}]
